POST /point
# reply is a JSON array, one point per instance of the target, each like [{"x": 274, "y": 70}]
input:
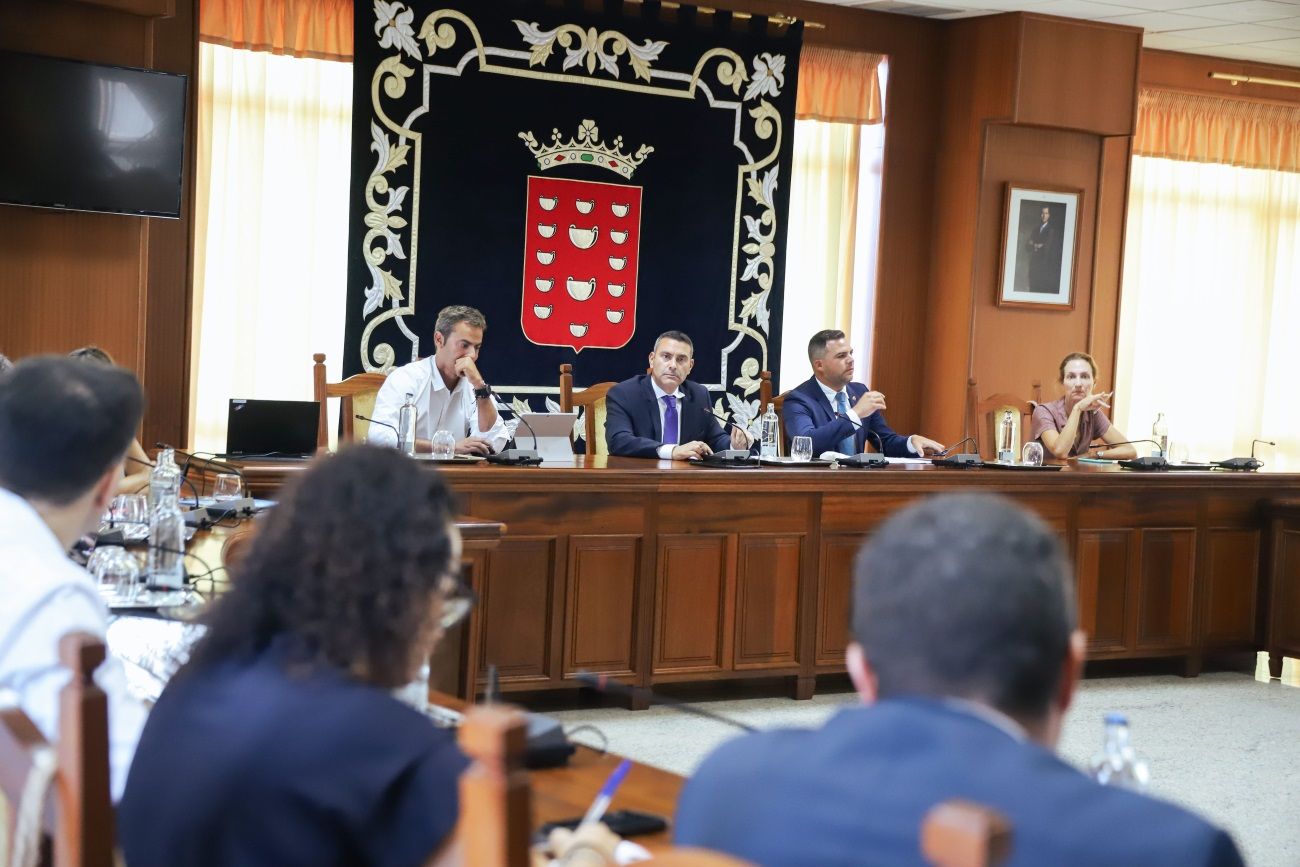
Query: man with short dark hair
[
  {"x": 966, "y": 656},
  {"x": 661, "y": 415},
  {"x": 841, "y": 415},
  {"x": 449, "y": 392},
  {"x": 65, "y": 427}
]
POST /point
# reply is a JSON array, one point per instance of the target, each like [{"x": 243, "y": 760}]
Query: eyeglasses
[{"x": 456, "y": 598}]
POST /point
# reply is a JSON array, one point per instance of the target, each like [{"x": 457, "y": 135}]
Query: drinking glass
[
  {"x": 801, "y": 449},
  {"x": 1177, "y": 453},
  {"x": 227, "y": 487},
  {"x": 118, "y": 573},
  {"x": 443, "y": 445},
  {"x": 130, "y": 514},
  {"x": 1032, "y": 454}
]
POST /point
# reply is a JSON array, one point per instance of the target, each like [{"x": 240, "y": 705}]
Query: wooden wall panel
[
  {"x": 520, "y": 582},
  {"x": 1012, "y": 346},
  {"x": 600, "y": 623},
  {"x": 1078, "y": 75},
  {"x": 835, "y": 597},
  {"x": 1171, "y": 70},
  {"x": 1232, "y": 595},
  {"x": 767, "y": 600},
  {"x": 1101, "y": 574},
  {"x": 1284, "y": 629},
  {"x": 1165, "y": 589},
  {"x": 692, "y": 589},
  {"x": 118, "y": 281}
]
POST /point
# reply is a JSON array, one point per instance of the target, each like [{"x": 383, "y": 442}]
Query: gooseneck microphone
[
  {"x": 1155, "y": 462},
  {"x": 514, "y": 457},
  {"x": 502, "y": 406},
  {"x": 358, "y": 415},
  {"x": 961, "y": 460},
  {"x": 242, "y": 505},
  {"x": 726, "y": 454},
  {"x": 1248, "y": 464},
  {"x": 605, "y": 683}
]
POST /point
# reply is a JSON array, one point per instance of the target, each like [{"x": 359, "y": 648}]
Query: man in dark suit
[
  {"x": 841, "y": 415},
  {"x": 1044, "y": 248},
  {"x": 661, "y": 415},
  {"x": 966, "y": 656}
]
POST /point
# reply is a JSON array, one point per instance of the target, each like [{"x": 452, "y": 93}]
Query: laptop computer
[{"x": 272, "y": 428}]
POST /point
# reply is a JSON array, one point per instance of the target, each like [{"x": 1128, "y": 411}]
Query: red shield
[{"x": 580, "y": 263}]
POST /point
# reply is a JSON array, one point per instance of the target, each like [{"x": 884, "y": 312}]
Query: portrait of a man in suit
[{"x": 1039, "y": 266}]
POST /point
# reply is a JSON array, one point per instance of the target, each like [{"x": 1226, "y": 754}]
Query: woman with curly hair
[{"x": 279, "y": 742}]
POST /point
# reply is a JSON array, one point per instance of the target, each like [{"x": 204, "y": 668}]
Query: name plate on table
[{"x": 553, "y": 431}]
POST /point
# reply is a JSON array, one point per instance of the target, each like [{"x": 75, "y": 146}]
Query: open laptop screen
[{"x": 272, "y": 428}]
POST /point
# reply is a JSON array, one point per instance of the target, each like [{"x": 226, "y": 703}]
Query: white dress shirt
[
  {"x": 436, "y": 407},
  {"x": 46, "y": 596},
  {"x": 852, "y": 416},
  {"x": 666, "y": 450}
]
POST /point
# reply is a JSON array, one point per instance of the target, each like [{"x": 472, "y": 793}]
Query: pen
[{"x": 606, "y": 795}]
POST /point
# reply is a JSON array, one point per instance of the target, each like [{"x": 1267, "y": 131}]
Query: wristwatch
[{"x": 483, "y": 392}]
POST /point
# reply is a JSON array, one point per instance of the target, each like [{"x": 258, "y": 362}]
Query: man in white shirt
[
  {"x": 448, "y": 391},
  {"x": 64, "y": 429}
]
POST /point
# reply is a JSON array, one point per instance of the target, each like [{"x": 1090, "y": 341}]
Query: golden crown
[{"x": 586, "y": 149}]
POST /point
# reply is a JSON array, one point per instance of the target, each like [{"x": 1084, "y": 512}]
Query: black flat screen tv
[{"x": 88, "y": 137}]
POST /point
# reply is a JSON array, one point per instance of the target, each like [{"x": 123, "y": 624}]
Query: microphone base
[
  {"x": 240, "y": 507},
  {"x": 1150, "y": 464},
  {"x": 733, "y": 455},
  {"x": 959, "y": 461},
  {"x": 1240, "y": 464},
  {"x": 515, "y": 457}
]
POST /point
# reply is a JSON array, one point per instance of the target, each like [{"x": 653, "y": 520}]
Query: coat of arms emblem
[{"x": 581, "y": 246}]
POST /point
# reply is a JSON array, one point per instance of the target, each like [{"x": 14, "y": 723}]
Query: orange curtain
[
  {"x": 301, "y": 28},
  {"x": 839, "y": 86},
  {"x": 1210, "y": 129}
]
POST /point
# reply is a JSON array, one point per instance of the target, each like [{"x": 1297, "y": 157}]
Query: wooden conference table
[{"x": 658, "y": 572}]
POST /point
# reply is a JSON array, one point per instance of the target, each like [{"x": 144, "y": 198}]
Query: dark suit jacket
[
  {"x": 808, "y": 414},
  {"x": 632, "y": 427},
  {"x": 854, "y": 792}
]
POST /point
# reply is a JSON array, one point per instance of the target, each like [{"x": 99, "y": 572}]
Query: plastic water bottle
[
  {"x": 164, "y": 478},
  {"x": 167, "y": 542},
  {"x": 406, "y": 425},
  {"x": 771, "y": 428},
  {"x": 1160, "y": 433},
  {"x": 1117, "y": 764}
]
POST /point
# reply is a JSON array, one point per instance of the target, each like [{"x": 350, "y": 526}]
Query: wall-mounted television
[{"x": 89, "y": 137}]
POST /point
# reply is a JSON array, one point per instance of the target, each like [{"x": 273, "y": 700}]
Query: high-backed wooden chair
[
  {"x": 963, "y": 834},
  {"x": 764, "y": 398},
  {"x": 592, "y": 399},
  {"x": 984, "y": 415},
  {"x": 59, "y": 795},
  {"x": 357, "y": 394}
]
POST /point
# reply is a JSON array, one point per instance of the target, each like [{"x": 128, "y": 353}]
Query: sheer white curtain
[
  {"x": 270, "y": 228},
  {"x": 1210, "y": 312},
  {"x": 832, "y": 243}
]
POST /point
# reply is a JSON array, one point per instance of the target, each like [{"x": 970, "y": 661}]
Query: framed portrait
[{"x": 1039, "y": 240}]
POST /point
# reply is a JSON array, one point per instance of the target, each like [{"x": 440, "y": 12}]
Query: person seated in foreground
[
  {"x": 661, "y": 415},
  {"x": 965, "y": 656},
  {"x": 135, "y": 471},
  {"x": 279, "y": 742},
  {"x": 64, "y": 429},
  {"x": 841, "y": 415},
  {"x": 1067, "y": 427},
  {"x": 447, "y": 389}
]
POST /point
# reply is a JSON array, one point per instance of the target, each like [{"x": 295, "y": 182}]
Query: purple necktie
[{"x": 670, "y": 420}]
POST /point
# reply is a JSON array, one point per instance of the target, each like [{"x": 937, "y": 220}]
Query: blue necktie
[
  {"x": 670, "y": 420},
  {"x": 842, "y": 407}
]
